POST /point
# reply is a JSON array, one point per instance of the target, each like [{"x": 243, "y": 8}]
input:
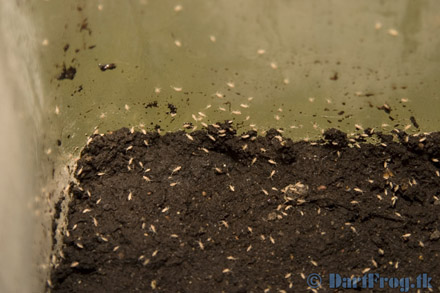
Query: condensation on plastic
[{"x": 301, "y": 62}]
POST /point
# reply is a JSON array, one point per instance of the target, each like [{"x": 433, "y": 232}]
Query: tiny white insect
[
  {"x": 224, "y": 223},
  {"x": 177, "y": 169},
  {"x": 212, "y": 38},
  {"x": 358, "y": 127},
  {"x": 378, "y": 25},
  {"x": 272, "y": 240},
  {"x": 393, "y": 32}
]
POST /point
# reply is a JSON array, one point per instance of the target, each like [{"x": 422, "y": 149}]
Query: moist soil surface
[{"x": 213, "y": 211}]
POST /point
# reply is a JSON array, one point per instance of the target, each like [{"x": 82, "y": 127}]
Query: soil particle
[
  {"x": 152, "y": 105},
  {"x": 414, "y": 122},
  {"x": 213, "y": 211},
  {"x": 85, "y": 26},
  {"x": 78, "y": 90},
  {"x": 67, "y": 73},
  {"x": 173, "y": 109},
  {"x": 108, "y": 66}
]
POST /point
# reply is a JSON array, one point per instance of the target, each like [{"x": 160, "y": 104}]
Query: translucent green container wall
[
  {"x": 302, "y": 66},
  {"x": 303, "y": 62}
]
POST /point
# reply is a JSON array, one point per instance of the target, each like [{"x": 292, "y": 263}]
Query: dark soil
[{"x": 211, "y": 211}]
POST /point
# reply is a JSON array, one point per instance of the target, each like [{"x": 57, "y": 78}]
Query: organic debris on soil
[{"x": 213, "y": 211}]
